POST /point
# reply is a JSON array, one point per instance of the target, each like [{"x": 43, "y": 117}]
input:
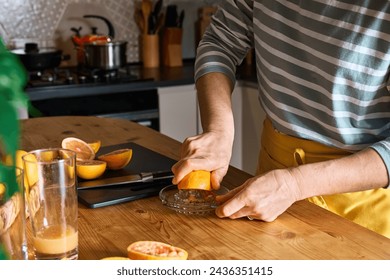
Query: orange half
[
  {"x": 154, "y": 250},
  {"x": 117, "y": 159},
  {"x": 90, "y": 169},
  {"x": 82, "y": 149},
  {"x": 95, "y": 145},
  {"x": 197, "y": 179}
]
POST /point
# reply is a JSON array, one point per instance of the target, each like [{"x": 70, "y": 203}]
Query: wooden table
[{"x": 305, "y": 231}]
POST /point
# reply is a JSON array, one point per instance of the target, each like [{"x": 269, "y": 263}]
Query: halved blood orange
[
  {"x": 197, "y": 179},
  {"x": 154, "y": 250},
  {"x": 82, "y": 149},
  {"x": 90, "y": 169},
  {"x": 117, "y": 159}
]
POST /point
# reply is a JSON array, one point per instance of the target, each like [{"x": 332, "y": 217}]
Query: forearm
[
  {"x": 214, "y": 96},
  {"x": 361, "y": 171},
  {"x": 211, "y": 150}
]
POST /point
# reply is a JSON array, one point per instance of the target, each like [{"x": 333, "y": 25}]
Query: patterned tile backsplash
[{"x": 49, "y": 22}]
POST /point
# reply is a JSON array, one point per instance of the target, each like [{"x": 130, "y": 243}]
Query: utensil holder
[
  {"x": 150, "y": 50},
  {"x": 172, "y": 47}
]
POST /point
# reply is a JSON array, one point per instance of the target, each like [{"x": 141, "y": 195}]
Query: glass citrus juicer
[{"x": 193, "y": 195}]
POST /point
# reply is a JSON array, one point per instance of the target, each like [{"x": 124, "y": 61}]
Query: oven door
[
  {"x": 149, "y": 118},
  {"x": 138, "y": 106}
]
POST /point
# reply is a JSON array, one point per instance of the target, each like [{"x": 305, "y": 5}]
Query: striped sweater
[{"x": 322, "y": 66}]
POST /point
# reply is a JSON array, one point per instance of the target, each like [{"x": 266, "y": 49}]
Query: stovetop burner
[{"x": 81, "y": 76}]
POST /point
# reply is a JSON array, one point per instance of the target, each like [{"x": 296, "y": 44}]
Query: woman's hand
[
  {"x": 209, "y": 151},
  {"x": 263, "y": 197}
]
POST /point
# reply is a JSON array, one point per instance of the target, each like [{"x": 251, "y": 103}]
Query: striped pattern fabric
[{"x": 322, "y": 66}]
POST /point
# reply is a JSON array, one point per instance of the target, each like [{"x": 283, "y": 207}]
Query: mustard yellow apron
[{"x": 370, "y": 209}]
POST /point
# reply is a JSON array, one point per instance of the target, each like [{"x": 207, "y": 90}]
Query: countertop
[{"x": 304, "y": 231}]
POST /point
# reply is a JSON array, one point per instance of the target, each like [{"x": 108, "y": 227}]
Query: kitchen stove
[
  {"x": 122, "y": 93},
  {"x": 81, "y": 76}
]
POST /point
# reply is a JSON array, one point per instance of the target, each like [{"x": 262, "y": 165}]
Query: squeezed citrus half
[
  {"x": 117, "y": 159},
  {"x": 154, "y": 250},
  {"x": 82, "y": 149},
  {"x": 197, "y": 179},
  {"x": 114, "y": 258},
  {"x": 90, "y": 169}
]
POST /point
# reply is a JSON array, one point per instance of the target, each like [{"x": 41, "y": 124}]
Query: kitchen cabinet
[
  {"x": 178, "y": 111},
  {"x": 179, "y": 119}
]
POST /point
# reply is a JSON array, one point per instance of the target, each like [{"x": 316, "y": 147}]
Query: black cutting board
[
  {"x": 106, "y": 196},
  {"x": 143, "y": 160}
]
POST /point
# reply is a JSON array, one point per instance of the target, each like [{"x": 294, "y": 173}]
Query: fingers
[
  {"x": 228, "y": 209},
  {"x": 235, "y": 209},
  {"x": 203, "y": 152},
  {"x": 223, "y": 198},
  {"x": 180, "y": 169},
  {"x": 185, "y": 166},
  {"x": 217, "y": 177},
  {"x": 234, "y": 206},
  {"x": 237, "y": 203},
  {"x": 240, "y": 203},
  {"x": 186, "y": 148}
]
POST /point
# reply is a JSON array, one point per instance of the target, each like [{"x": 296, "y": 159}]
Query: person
[{"x": 322, "y": 69}]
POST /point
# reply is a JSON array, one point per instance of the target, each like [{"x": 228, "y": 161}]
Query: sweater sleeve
[
  {"x": 227, "y": 39},
  {"x": 383, "y": 149}
]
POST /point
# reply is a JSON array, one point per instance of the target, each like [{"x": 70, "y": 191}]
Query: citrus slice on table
[
  {"x": 90, "y": 169},
  {"x": 197, "y": 179},
  {"x": 114, "y": 258},
  {"x": 154, "y": 250},
  {"x": 82, "y": 149},
  {"x": 117, "y": 159},
  {"x": 95, "y": 145}
]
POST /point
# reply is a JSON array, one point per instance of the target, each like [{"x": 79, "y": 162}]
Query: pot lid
[{"x": 32, "y": 49}]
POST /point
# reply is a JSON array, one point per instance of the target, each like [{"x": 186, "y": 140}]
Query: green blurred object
[
  {"x": 3, "y": 253},
  {"x": 13, "y": 78}
]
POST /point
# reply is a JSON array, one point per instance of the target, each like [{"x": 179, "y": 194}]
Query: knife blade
[
  {"x": 125, "y": 180},
  {"x": 180, "y": 19}
]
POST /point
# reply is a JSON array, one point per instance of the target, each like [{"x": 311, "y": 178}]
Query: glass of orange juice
[{"x": 50, "y": 187}]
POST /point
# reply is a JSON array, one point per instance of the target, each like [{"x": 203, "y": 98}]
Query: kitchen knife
[
  {"x": 110, "y": 195},
  {"x": 171, "y": 16},
  {"x": 125, "y": 180},
  {"x": 180, "y": 19}
]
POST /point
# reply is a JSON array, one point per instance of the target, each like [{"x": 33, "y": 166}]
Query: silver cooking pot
[{"x": 105, "y": 55}]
